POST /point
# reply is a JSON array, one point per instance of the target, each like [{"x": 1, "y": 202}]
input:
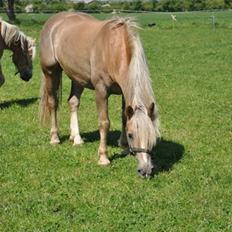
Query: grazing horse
[
  {"x": 106, "y": 56},
  {"x": 22, "y": 46}
]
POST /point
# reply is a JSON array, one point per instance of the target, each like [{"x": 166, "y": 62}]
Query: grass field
[{"x": 46, "y": 188}]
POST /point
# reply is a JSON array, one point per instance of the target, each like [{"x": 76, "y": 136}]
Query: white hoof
[
  {"x": 104, "y": 161},
  {"x": 77, "y": 140},
  {"x": 54, "y": 141}
]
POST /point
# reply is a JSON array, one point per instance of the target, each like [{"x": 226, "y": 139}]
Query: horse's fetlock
[{"x": 54, "y": 132}]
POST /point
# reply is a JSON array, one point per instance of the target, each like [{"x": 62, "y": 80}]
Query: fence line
[{"x": 118, "y": 11}]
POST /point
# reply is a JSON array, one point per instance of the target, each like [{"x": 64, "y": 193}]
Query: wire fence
[
  {"x": 214, "y": 19},
  {"x": 112, "y": 11}
]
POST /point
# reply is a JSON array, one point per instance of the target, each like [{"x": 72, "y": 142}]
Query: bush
[{"x": 79, "y": 6}]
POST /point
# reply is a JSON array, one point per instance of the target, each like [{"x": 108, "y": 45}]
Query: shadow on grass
[
  {"x": 166, "y": 154},
  {"x": 20, "y": 102},
  {"x": 93, "y": 136}
]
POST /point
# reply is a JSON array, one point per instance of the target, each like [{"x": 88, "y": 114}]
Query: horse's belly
[
  {"x": 77, "y": 68},
  {"x": 82, "y": 77},
  {"x": 115, "y": 89}
]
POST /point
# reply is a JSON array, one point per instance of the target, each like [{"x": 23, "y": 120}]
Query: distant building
[{"x": 29, "y": 8}]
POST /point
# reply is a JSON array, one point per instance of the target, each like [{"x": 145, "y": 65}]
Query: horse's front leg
[
  {"x": 104, "y": 124},
  {"x": 74, "y": 103},
  {"x": 2, "y": 78},
  {"x": 123, "y": 138}
]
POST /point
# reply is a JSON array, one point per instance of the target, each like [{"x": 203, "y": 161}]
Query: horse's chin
[{"x": 25, "y": 79}]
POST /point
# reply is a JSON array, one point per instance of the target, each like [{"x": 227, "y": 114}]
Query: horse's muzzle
[
  {"x": 26, "y": 75},
  {"x": 145, "y": 172},
  {"x": 145, "y": 165}
]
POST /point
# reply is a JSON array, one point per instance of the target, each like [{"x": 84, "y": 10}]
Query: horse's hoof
[
  {"x": 54, "y": 141},
  {"x": 104, "y": 161},
  {"x": 76, "y": 140}
]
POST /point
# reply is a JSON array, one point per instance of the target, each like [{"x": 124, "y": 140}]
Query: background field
[{"x": 45, "y": 188}]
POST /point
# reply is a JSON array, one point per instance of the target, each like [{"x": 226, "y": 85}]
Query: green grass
[{"x": 46, "y": 188}]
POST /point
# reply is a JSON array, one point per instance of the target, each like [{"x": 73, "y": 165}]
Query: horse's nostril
[{"x": 141, "y": 172}]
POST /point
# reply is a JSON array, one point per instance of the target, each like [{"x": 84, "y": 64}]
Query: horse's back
[
  {"x": 52, "y": 30},
  {"x": 86, "y": 48}
]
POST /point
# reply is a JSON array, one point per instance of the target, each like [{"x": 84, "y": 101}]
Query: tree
[
  {"x": 137, "y": 5},
  {"x": 214, "y": 4},
  {"x": 9, "y": 9},
  {"x": 94, "y": 6},
  {"x": 126, "y": 6},
  {"x": 79, "y": 6}
]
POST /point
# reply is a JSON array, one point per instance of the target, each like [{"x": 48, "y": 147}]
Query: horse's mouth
[{"x": 26, "y": 76}]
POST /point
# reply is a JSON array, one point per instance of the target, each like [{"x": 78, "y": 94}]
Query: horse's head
[
  {"x": 23, "y": 54},
  {"x": 142, "y": 131}
]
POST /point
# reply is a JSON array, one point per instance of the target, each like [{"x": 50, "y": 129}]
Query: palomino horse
[
  {"x": 22, "y": 46},
  {"x": 106, "y": 56}
]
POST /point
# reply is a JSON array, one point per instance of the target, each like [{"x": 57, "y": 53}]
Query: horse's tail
[
  {"x": 50, "y": 96},
  {"x": 139, "y": 75}
]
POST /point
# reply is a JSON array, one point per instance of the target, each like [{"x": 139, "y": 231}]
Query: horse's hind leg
[
  {"x": 74, "y": 102},
  {"x": 50, "y": 100}
]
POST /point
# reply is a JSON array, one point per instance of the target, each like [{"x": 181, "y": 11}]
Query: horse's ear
[
  {"x": 129, "y": 112},
  {"x": 33, "y": 41},
  {"x": 151, "y": 111}
]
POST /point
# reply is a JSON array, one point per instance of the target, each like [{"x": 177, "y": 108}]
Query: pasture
[{"x": 61, "y": 188}]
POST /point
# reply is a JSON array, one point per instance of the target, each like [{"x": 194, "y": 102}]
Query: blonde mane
[
  {"x": 11, "y": 34},
  {"x": 139, "y": 89}
]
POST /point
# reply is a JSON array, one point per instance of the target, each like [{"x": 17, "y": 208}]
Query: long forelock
[{"x": 144, "y": 129}]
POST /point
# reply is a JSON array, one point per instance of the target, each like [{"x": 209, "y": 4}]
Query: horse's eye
[{"x": 130, "y": 135}]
